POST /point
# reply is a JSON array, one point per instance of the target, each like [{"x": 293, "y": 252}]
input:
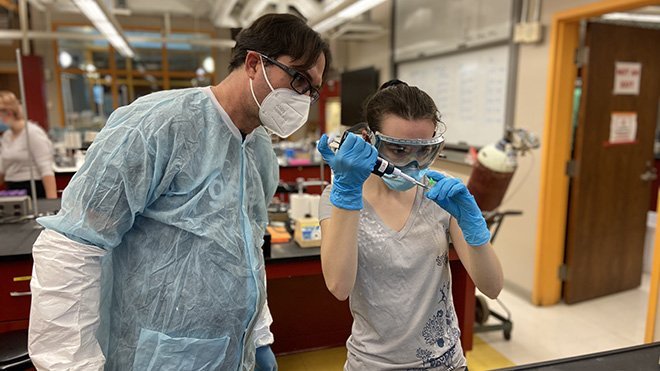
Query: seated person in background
[
  {"x": 18, "y": 165},
  {"x": 386, "y": 242}
]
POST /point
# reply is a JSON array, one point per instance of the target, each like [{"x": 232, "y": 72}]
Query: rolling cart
[{"x": 482, "y": 312}]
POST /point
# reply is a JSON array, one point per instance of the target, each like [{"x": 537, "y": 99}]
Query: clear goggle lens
[{"x": 402, "y": 152}]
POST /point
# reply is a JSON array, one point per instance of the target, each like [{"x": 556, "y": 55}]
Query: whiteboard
[{"x": 469, "y": 89}]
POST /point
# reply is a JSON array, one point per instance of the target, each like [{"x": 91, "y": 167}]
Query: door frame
[
  {"x": 556, "y": 148},
  {"x": 652, "y": 306}
]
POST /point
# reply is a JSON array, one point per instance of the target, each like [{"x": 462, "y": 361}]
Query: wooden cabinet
[
  {"x": 61, "y": 181},
  {"x": 305, "y": 314},
  {"x": 15, "y": 275},
  {"x": 463, "y": 292}
]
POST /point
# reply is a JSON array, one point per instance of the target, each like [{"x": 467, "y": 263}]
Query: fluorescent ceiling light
[
  {"x": 65, "y": 59},
  {"x": 634, "y": 17},
  {"x": 106, "y": 24},
  {"x": 346, "y": 14},
  {"x": 208, "y": 64},
  {"x": 332, "y": 4}
]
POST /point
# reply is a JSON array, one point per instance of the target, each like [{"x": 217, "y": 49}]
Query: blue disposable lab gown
[{"x": 179, "y": 199}]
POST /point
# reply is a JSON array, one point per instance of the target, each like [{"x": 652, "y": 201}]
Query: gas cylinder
[{"x": 491, "y": 174}]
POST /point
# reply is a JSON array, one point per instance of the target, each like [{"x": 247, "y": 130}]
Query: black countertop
[
  {"x": 18, "y": 238},
  {"x": 291, "y": 251},
  {"x": 640, "y": 357}
]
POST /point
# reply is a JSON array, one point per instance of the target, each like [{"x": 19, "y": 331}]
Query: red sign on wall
[{"x": 626, "y": 78}]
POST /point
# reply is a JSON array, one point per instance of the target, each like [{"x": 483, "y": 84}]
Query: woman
[
  {"x": 15, "y": 160},
  {"x": 385, "y": 242}
]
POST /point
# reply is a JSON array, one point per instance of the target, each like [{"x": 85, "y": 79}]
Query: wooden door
[{"x": 608, "y": 197}]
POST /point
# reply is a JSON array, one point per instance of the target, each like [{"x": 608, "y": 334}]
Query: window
[{"x": 95, "y": 79}]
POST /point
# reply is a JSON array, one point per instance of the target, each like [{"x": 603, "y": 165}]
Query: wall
[{"x": 353, "y": 55}]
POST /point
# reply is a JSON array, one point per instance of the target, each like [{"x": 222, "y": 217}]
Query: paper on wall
[{"x": 623, "y": 127}]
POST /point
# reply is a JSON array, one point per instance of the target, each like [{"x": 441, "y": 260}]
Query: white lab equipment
[{"x": 303, "y": 206}]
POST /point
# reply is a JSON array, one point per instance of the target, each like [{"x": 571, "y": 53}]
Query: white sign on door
[
  {"x": 623, "y": 127},
  {"x": 626, "y": 78}
]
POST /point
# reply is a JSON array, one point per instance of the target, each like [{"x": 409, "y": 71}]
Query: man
[{"x": 154, "y": 261}]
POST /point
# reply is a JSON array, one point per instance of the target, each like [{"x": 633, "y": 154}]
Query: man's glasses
[{"x": 300, "y": 83}]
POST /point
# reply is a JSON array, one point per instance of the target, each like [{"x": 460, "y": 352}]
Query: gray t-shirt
[{"x": 402, "y": 306}]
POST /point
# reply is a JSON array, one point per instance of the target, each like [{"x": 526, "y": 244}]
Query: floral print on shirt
[{"x": 438, "y": 330}]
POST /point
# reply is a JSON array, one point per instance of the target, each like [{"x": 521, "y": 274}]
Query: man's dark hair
[
  {"x": 275, "y": 35},
  {"x": 397, "y": 98}
]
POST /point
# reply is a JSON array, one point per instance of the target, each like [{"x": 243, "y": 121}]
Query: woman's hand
[
  {"x": 452, "y": 195},
  {"x": 352, "y": 165}
]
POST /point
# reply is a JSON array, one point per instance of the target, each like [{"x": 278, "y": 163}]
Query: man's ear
[{"x": 251, "y": 64}]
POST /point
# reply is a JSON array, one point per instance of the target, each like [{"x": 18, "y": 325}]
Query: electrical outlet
[
  {"x": 526, "y": 32},
  {"x": 519, "y": 33},
  {"x": 533, "y": 32}
]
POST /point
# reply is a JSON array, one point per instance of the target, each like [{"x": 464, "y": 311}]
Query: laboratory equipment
[
  {"x": 303, "y": 205},
  {"x": 491, "y": 175},
  {"x": 307, "y": 232},
  {"x": 382, "y": 166},
  {"x": 496, "y": 163},
  {"x": 15, "y": 206},
  {"x": 304, "y": 217}
]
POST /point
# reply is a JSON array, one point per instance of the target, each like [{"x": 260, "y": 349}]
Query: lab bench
[
  {"x": 305, "y": 314},
  {"x": 16, "y": 268}
]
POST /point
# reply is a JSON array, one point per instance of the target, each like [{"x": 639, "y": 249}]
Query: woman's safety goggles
[{"x": 402, "y": 152}]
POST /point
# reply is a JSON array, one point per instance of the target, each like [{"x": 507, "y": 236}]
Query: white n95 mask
[{"x": 283, "y": 111}]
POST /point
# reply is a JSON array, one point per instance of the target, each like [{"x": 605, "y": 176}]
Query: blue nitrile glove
[
  {"x": 452, "y": 195},
  {"x": 352, "y": 165},
  {"x": 265, "y": 359}
]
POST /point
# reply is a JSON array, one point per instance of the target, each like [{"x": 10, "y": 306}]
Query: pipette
[
  {"x": 403, "y": 175},
  {"x": 382, "y": 166}
]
